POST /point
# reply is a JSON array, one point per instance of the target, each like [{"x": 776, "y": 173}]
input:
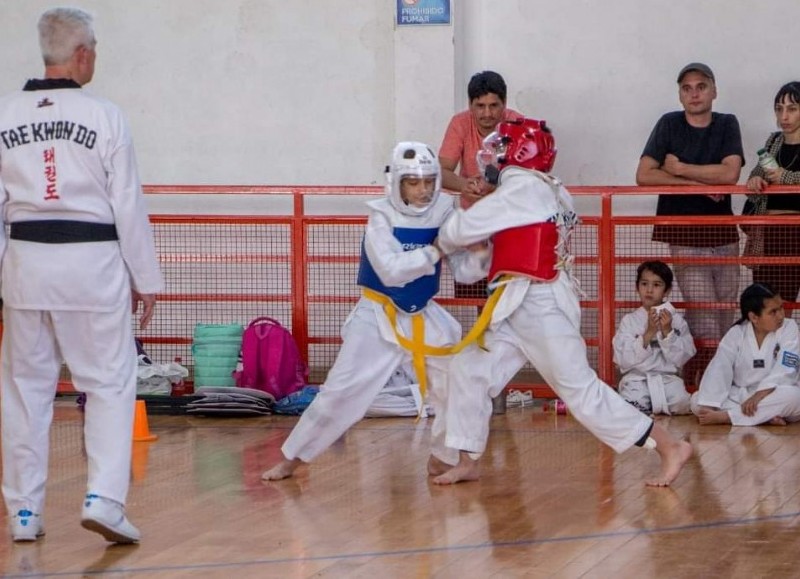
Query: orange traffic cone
[{"x": 141, "y": 429}]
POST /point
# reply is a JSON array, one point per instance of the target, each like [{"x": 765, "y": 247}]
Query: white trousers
[
  {"x": 656, "y": 393},
  {"x": 365, "y": 363},
  {"x": 784, "y": 401},
  {"x": 100, "y": 353},
  {"x": 541, "y": 332}
]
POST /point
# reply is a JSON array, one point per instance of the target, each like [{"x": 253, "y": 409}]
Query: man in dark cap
[{"x": 697, "y": 146}]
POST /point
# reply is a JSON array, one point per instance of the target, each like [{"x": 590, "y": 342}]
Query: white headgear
[{"x": 414, "y": 159}]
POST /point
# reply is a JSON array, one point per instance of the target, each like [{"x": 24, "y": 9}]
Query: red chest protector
[{"x": 529, "y": 250}]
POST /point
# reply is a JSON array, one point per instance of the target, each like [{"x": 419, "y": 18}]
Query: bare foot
[
  {"x": 437, "y": 466},
  {"x": 778, "y": 421},
  {"x": 284, "y": 469},
  {"x": 466, "y": 470},
  {"x": 713, "y": 417},
  {"x": 673, "y": 452}
]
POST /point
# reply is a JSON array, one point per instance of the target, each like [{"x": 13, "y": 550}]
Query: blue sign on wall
[{"x": 422, "y": 12}]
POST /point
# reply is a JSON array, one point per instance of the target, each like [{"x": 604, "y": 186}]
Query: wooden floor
[{"x": 552, "y": 502}]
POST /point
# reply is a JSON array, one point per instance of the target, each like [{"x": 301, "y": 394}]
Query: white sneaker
[
  {"x": 107, "y": 517},
  {"x": 519, "y": 398},
  {"x": 26, "y": 526}
]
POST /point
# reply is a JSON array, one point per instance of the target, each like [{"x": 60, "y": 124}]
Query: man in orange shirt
[
  {"x": 462, "y": 141},
  {"x": 465, "y": 133}
]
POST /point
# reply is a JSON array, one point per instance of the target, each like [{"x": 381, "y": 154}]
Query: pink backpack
[{"x": 270, "y": 360}]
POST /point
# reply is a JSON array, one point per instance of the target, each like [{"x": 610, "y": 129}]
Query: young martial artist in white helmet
[
  {"x": 396, "y": 315},
  {"x": 529, "y": 219}
]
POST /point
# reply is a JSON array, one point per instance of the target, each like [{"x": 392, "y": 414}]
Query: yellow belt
[{"x": 417, "y": 346}]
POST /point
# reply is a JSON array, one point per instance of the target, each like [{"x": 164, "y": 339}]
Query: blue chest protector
[{"x": 416, "y": 294}]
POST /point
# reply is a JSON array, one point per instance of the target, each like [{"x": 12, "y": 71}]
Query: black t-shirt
[{"x": 697, "y": 146}]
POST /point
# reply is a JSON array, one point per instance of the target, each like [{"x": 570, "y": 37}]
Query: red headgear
[{"x": 525, "y": 143}]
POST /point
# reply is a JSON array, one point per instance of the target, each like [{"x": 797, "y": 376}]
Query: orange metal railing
[{"x": 298, "y": 266}]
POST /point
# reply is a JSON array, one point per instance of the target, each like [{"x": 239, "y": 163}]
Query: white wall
[
  {"x": 239, "y": 91},
  {"x": 603, "y": 72},
  {"x": 317, "y": 92}
]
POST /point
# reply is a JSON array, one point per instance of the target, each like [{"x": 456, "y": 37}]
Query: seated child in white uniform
[
  {"x": 399, "y": 273},
  {"x": 752, "y": 378},
  {"x": 651, "y": 346}
]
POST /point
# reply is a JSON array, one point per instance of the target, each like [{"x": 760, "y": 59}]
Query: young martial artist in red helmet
[{"x": 529, "y": 219}]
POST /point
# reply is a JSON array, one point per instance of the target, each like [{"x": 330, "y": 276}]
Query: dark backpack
[{"x": 270, "y": 360}]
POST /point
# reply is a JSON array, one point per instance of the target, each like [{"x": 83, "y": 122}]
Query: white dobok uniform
[
  {"x": 370, "y": 352},
  {"x": 533, "y": 321},
  {"x": 66, "y": 158},
  {"x": 650, "y": 378},
  {"x": 740, "y": 368}
]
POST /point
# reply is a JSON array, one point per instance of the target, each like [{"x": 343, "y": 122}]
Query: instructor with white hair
[{"x": 78, "y": 257}]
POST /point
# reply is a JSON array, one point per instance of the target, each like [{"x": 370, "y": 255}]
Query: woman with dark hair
[
  {"x": 752, "y": 379},
  {"x": 784, "y": 146}
]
